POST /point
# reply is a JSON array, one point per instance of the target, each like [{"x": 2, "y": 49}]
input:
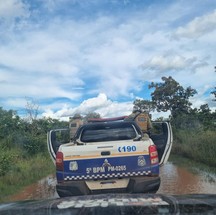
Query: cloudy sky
[{"x": 100, "y": 55}]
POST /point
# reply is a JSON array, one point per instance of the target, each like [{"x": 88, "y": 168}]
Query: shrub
[
  {"x": 6, "y": 161},
  {"x": 35, "y": 144}
]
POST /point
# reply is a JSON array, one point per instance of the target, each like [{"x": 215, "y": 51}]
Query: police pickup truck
[{"x": 109, "y": 155}]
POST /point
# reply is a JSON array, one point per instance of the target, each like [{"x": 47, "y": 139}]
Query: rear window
[{"x": 108, "y": 133}]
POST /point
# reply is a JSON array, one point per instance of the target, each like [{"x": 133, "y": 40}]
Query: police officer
[
  {"x": 75, "y": 122},
  {"x": 141, "y": 117}
]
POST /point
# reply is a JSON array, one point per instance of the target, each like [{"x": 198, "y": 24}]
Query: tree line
[
  {"x": 169, "y": 95},
  {"x": 193, "y": 128},
  {"x": 27, "y": 133}
]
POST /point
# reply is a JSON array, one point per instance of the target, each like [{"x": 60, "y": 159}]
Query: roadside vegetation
[
  {"x": 23, "y": 149},
  {"x": 193, "y": 128},
  {"x": 197, "y": 144},
  {"x": 24, "y": 157},
  {"x": 24, "y": 171}
]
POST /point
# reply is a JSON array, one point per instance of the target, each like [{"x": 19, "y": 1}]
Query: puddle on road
[
  {"x": 175, "y": 180},
  {"x": 43, "y": 189},
  {"x": 180, "y": 180}
]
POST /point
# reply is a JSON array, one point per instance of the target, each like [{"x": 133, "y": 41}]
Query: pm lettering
[{"x": 127, "y": 148}]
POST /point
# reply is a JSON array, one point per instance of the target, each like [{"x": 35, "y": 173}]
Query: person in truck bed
[{"x": 141, "y": 118}]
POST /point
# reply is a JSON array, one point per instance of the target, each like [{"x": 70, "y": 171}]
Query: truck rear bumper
[{"x": 135, "y": 185}]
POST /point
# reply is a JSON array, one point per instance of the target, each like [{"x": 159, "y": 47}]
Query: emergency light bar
[{"x": 107, "y": 119}]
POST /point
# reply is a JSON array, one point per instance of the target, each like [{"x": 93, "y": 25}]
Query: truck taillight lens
[
  {"x": 153, "y": 154},
  {"x": 59, "y": 161}
]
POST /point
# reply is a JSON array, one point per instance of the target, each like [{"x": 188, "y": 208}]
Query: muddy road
[{"x": 175, "y": 179}]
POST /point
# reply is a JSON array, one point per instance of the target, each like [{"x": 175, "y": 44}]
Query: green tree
[
  {"x": 214, "y": 91},
  {"x": 46, "y": 124},
  {"x": 143, "y": 104},
  {"x": 9, "y": 122},
  {"x": 205, "y": 116},
  {"x": 10, "y": 127},
  {"x": 170, "y": 95}
]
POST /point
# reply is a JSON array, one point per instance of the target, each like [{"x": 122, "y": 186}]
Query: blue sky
[{"x": 73, "y": 56}]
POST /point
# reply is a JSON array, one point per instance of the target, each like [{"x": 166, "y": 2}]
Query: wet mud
[
  {"x": 43, "y": 189},
  {"x": 175, "y": 180}
]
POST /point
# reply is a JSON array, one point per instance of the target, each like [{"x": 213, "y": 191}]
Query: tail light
[
  {"x": 153, "y": 154},
  {"x": 59, "y": 161}
]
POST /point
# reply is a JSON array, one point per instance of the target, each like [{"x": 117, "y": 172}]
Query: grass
[
  {"x": 197, "y": 145},
  {"x": 23, "y": 171},
  {"x": 192, "y": 165}
]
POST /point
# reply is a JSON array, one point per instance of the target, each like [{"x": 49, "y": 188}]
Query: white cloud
[
  {"x": 204, "y": 96},
  {"x": 11, "y": 9},
  {"x": 40, "y": 65},
  {"x": 49, "y": 113},
  {"x": 100, "y": 104},
  {"x": 198, "y": 27},
  {"x": 43, "y": 55},
  {"x": 115, "y": 109},
  {"x": 62, "y": 56},
  {"x": 37, "y": 89},
  {"x": 168, "y": 62},
  {"x": 94, "y": 103}
]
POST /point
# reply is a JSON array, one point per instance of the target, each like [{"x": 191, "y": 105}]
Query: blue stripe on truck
[{"x": 107, "y": 167}]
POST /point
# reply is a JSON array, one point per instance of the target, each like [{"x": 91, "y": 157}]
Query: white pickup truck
[{"x": 109, "y": 156}]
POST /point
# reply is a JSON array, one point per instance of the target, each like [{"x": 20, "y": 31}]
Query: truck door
[
  {"x": 162, "y": 137},
  {"x": 55, "y": 138}
]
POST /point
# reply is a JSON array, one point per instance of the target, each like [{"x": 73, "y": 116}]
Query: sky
[{"x": 80, "y": 56}]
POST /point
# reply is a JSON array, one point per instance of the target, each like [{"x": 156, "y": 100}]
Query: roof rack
[{"x": 107, "y": 119}]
